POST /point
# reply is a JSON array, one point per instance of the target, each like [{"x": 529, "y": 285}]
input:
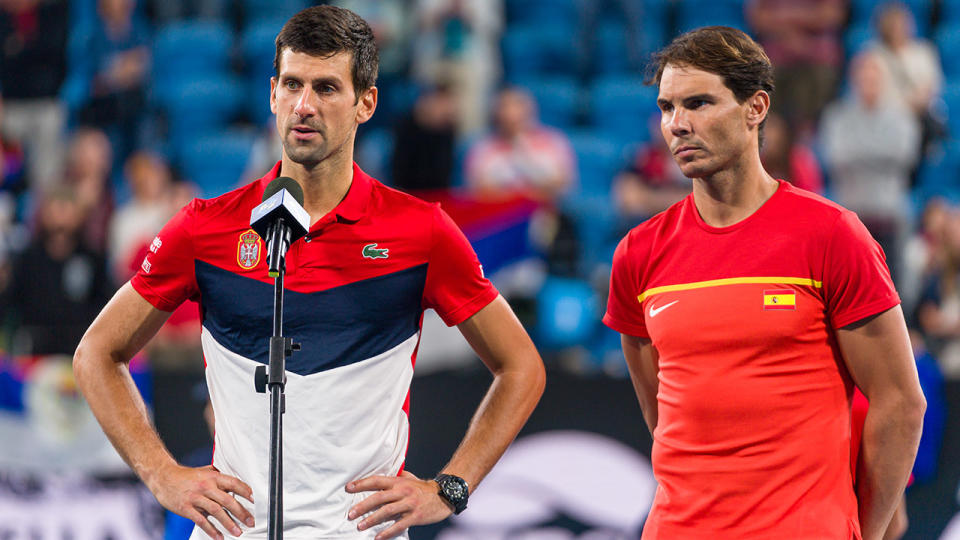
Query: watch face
[{"x": 454, "y": 489}]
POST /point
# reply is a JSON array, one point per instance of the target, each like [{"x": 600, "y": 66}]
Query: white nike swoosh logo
[{"x": 656, "y": 311}]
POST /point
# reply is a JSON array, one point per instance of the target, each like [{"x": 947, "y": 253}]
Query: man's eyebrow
[
  {"x": 335, "y": 81},
  {"x": 701, "y": 97}
]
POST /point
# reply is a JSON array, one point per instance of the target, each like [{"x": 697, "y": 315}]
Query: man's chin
[{"x": 303, "y": 156}]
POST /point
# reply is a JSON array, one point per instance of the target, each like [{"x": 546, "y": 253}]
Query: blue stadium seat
[
  {"x": 949, "y": 12},
  {"x": 655, "y": 24},
  {"x": 538, "y": 50},
  {"x": 947, "y": 39},
  {"x": 951, "y": 96},
  {"x": 258, "y": 47},
  {"x": 272, "y": 9},
  {"x": 202, "y": 105},
  {"x": 696, "y": 13},
  {"x": 857, "y": 38},
  {"x": 542, "y": 12},
  {"x": 216, "y": 162},
  {"x": 374, "y": 150},
  {"x": 567, "y": 313},
  {"x": 599, "y": 158},
  {"x": 939, "y": 175},
  {"x": 610, "y": 56},
  {"x": 621, "y": 107},
  {"x": 596, "y": 224},
  {"x": 186, "y": 49},
  {"x": 557, "y": 97}
]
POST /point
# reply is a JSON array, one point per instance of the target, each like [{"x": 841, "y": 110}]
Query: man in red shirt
[{"x": 748, "y": 311}]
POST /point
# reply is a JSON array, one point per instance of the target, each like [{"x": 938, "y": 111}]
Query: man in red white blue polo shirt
[{"x": 356, "y": 288}]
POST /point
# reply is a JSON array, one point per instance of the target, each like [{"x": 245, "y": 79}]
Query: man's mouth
[
  {"x": 685, "y": 150},
  {"x": 303, "y": 132}
]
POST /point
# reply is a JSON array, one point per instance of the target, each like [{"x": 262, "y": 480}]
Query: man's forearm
[
  {"x": 505, "y": 408},
  {"x": 891, "y": 434},
  {"x": 115, "y": 401}
]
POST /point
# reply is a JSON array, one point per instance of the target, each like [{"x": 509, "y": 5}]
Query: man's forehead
[
  {"x": 682, "y": 80},
  {"x": 315, "y": 66}
]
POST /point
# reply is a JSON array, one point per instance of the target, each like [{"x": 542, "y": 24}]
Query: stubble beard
[{"x": 309, "y": 155}]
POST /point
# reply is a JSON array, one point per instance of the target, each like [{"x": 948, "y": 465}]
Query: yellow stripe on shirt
[{"x": 729, "y": 281}]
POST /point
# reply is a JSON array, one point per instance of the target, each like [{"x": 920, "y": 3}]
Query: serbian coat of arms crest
[{"x": 249, "y": 249}]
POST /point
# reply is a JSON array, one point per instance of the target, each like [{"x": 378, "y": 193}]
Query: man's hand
[
  {"x": 198, "y": 493},
  {"x": 405, "y": 498}
]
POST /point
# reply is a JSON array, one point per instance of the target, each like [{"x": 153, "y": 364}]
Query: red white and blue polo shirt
[{"x": 355, "y": 290}]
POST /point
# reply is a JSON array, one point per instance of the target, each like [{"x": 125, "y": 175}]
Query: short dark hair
[
  {"x": 721, "y": 50},
  {"x": 328, "y": 30}
]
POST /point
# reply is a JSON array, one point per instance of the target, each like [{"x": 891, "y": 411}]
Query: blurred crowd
[{"x": 115, "y": 113}]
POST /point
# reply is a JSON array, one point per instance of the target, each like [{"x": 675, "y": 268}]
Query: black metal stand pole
[{"x": 274, "y": 377}]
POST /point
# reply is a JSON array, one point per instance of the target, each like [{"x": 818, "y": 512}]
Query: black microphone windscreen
[{"x": 287, "y": 183}]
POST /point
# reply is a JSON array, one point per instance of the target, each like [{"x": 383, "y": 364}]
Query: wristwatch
[{"x": 454, "y": 490}]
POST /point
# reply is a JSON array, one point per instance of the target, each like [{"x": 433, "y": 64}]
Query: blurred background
[{"x": 529, "y": 121}]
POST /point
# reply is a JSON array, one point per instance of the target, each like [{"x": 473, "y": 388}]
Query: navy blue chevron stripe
[{"x": 337, "y": 327}]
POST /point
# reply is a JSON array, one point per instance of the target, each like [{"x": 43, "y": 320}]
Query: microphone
[{"x": 280, "y": 220}]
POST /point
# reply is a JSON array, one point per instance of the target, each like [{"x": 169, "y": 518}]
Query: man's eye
[
  {"x": 292, "y": 85},
  {"x": 327, "y": 89},
  {"x": 697, "y": 103}
]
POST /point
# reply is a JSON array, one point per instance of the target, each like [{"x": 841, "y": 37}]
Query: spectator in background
[
  {"x": 12, "y": 179},
  {"x": 136, "y": 223},
  {"x": 924, "y": 254},
  {"x": 520, "y": 156},
  {"x": 650, "y": 183},
  {"x": 803, "y": 39},
  {"x": 33, "y": 66},
  {"x": 786, "y": 158},
  {"x": 58, "y": 284},
  {"x": 913, "y": 72},
  {"x": 424, "y": 142},
  {"x": 938, "y": 312},
  {"x": 88, "y": 170},
  {"x": 116, "y": 68},
  {"x": 870, "y": 147},
  {"x": 457, "y": 41}
]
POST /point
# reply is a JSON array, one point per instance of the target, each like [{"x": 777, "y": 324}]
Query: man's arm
[
  {"x": 879, "y": 357},
  {"x": 643, "y": 363},
  {"x": 100, "y": 365},
  {"x": 518, "y": 380}
]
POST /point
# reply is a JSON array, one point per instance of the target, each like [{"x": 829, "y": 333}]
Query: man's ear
[
  {"x": 758, "y": 105},
  {"x": 367, "y": 104},
  {"x": 273, "y": 95}
]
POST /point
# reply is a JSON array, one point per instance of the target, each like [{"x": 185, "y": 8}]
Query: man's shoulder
[
  {"x": 234, "y": 204},
  {"x": 799, "y": 202},
  {"x": 392, "y": 200},
  {"x": 658, "y": 223}
]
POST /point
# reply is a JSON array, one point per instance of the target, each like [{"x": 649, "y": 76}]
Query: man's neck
[
  {"x": 324, "y": 185},
  {"x": 733, "y": 194}
]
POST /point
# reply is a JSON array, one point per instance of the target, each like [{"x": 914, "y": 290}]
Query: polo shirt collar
[{"x": 353, "y": 206}]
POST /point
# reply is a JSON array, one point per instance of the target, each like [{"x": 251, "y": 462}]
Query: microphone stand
[{"x": 274, "y": 375}]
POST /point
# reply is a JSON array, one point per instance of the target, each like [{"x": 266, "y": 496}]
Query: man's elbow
[{"x": 911, "y": 409}]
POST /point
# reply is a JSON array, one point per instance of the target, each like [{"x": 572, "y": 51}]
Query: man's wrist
[{"x": 453, "y": 490}]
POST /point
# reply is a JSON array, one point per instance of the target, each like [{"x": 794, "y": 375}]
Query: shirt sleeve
[
  {"x": 167, "y": 277},
  {"x": 624, "y": 312},
  {"x": 856, "y": 279},
  {"x": 456, "y": 287}
]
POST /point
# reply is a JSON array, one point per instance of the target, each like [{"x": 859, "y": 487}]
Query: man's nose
[
  {"x": 677, "y": 122},
  {"x": 306, "y": 103}
]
